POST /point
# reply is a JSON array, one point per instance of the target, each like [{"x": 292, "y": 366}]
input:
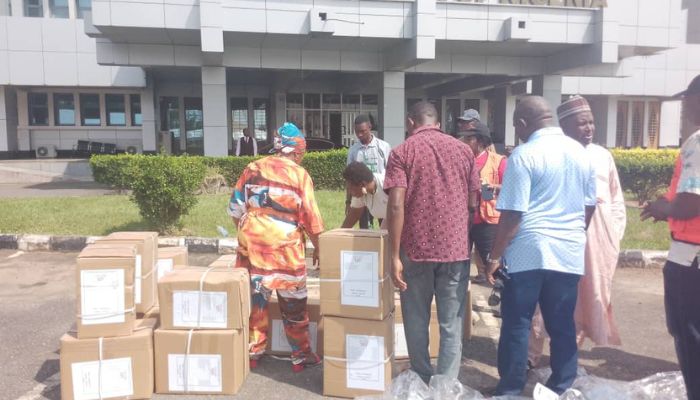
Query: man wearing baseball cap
[
  {"x": 491, "y": 167},
  {"x": 468, "y": 120},
  {"x": 681, "y": 208}
]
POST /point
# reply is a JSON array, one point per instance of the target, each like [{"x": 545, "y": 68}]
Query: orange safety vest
[
  {"x": 489, "y": 174},
  {"x": 682, "y": 230}
]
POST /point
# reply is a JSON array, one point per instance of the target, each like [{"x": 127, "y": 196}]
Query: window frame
[
  {"x": 82, "y": 102},
  {"x": 31, "y": 106},
  {"x": 132, "y": 109},
  {"x": 56, "y": 110},
  {"x": 26, "y": 7},
  {"x": 108, "y": 116}
]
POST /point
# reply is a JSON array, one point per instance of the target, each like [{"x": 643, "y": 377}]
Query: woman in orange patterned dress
[{"x": 274, "y": 207}]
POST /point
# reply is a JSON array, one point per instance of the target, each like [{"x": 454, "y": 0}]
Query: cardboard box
[
  {"x": 105, "y": 291},
  {"x": 277, "y": 343},
  {"x": 400, "y": 346},
  {"x": 227, "y": 260},
  {"x": 168, "y": 258},
  {"x": 126, "y": 366},
  {"x": 358, "y": 356},
  {"x": 145, "y": 283},
  {"x": 225, "y": 298},
  {"x": 355, "y": 278},
  {"x": 217, "y": 362},
  {"x": 153, "y": 313}
]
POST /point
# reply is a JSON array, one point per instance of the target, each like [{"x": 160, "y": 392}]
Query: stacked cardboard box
[
  {"x": 202, "y": 344},
  {"x": 146, "y": 258},
  {"x": 277, "y": 343},
  {"x": 111, "y": 353},
  {"x": 357, "y": 303},
  {"x": 227, "y": 260},
  {"x": 168, "y": 259}
]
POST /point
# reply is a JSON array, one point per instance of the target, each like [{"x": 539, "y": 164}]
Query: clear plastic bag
[{"x": 444, "y": 388}]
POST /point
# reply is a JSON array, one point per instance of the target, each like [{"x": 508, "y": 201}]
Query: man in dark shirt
[
  {"x": 247, "y": 145},
  {"x": 432, "y": 182}
]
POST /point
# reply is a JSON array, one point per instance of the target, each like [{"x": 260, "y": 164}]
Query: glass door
[
  {"x": 194, "y": 126},
  {"x": 170, "y": 122}
]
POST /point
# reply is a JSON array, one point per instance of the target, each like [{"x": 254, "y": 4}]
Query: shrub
[
  {"x": 163, "y": 188},
  {"x": 111, "y": 170},
  {"x": 644, "y": 172}
]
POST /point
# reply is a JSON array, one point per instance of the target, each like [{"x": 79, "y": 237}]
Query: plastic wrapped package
[
  {"x": 541, "y": 375},
  {"x": 445, "y": 388},
  {"x": 406, "y": 386},
  {"x": 664, "y": 385}
]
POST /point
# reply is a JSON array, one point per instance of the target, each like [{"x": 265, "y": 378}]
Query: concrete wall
[{"x": 49, "y": 51}]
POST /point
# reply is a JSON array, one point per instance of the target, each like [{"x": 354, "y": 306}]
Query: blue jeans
[
  {"x": 448, "y": 283},
  {"x": 556, "y": 293}
]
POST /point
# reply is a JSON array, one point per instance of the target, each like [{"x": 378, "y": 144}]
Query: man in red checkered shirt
[{"x": 432, "y": 184}]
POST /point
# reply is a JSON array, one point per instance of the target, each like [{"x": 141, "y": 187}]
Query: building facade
[{"x": 187, "y": 76}]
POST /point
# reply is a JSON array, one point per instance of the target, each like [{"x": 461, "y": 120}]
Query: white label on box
[
  {"x": 137, "y": 280},
  {"x": 365, "y": 362},
  {"x": 165, "y": 266},
  {"x": 203, "y": 373},
  {"x": 279, "y": 338},
  {"x": 400, "y": 345},
  {"x": 102, "y": 296},
  {"x": 542, "y": 392},
  {"x": 212, "y": 315},
  {"x": 359, "y": 284},
  {"x": 116, "y": 379}
]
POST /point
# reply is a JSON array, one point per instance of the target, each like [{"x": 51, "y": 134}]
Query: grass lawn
[{"x": 100, "y": 215}]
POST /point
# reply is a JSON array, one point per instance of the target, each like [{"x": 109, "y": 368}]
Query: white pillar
[
  {"x": 17, "y": 8},
  {"x": 611, "y": 128},
  {"x": 214, "y": 110},
  {"x": 4, "y": 131},
  {"x": 510, "y": 103},
  {"x": 549, "y": 87},
  {"x": 149, "y": 135},
  {"x": 393, "y": 107},
  {"x": 670, "y": 126}
]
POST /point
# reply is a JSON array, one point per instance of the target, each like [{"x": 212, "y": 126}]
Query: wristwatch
[{"x": 490, "y": 260}]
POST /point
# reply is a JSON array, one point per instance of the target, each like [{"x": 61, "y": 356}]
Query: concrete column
[
  {"x": 393, "y": 107},
  {"x": 149, "y": 133},
  {"x": 483, "y": 110},
  {"x": 510, "y": 103},
  {"x": 23, "y": 141},
  {"x": 670, "y": 126},
  {"x": 17, "y": 8},
  {"x": 549, "y": 87},
  {"x": 611, "y": 128},
  {"x": 214, "y": 109},
  {"x": 4, "y": 131},
  {"x": 73, "y": 11}
]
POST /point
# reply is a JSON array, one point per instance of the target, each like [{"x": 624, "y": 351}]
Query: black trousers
[
  {"x": 682, "y": 301},
  {"x": 482, "y": 236}
]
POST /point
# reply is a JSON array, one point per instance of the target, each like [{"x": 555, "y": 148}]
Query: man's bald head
[
  {"x": 423, "y": 113},
  {"x": 531, "y": 114}
]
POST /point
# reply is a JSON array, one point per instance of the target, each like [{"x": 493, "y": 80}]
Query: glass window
[
  {"x": 370, "y": 106},
  {"x": 136, "y": 119},
  {"x": 295, "y": 100},
  {"x": 239, "y": 116},
  {"x": 64, "y": 109},
  {"x": 654, "y": 123},
  {"x": 260, "y": 110},
  {"x": 90, "y": 110},
  {"x": 312, "y": 100},
  {"x": 33, "y": 8},
  {"x": 116, "y": 111},
  {"x": 312, "y": 121},
  {"x": 194, "y": 125},
  {"x": 331, "y": 101},
  {"x": 59, "y": 8},
  {"x": 83, "y": 6},
  {"x": 621, "y": 128},
  {"x": 38, "y": 108},
  {"x": 637, "y": 123},
  {"x": 170, "y": 121},
  {"x": 452, "y": 112},
  {"x": 351, "y": 102},
  {"x": 296, "y": 117}
]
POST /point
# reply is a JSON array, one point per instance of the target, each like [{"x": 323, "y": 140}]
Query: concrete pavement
[
  {"x": 37, "y": 291},
  {"x": 54, "y": 189}
]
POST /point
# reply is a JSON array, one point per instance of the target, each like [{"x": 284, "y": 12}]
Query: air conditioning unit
[
  {"x": 517, "y": 29},
  {"x": 134, "y": 149},
  {"x": 48, "y": 151}
]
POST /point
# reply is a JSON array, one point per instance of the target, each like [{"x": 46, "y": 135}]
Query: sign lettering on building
[{"x": 560, "y": 3}]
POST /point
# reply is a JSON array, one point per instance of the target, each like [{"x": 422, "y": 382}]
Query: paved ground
[
  {"x": 37, "y": 292},
  {"x": 53, "y": 189}
]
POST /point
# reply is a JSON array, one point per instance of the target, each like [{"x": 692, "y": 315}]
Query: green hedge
[
  {"x": 325, "y": 168},
  {"x": 645, "y": 173}
]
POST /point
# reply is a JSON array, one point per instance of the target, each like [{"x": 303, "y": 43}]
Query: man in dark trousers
[
  {"x": 431, "y": 180},
  {"x": 247, "y": 145}
]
